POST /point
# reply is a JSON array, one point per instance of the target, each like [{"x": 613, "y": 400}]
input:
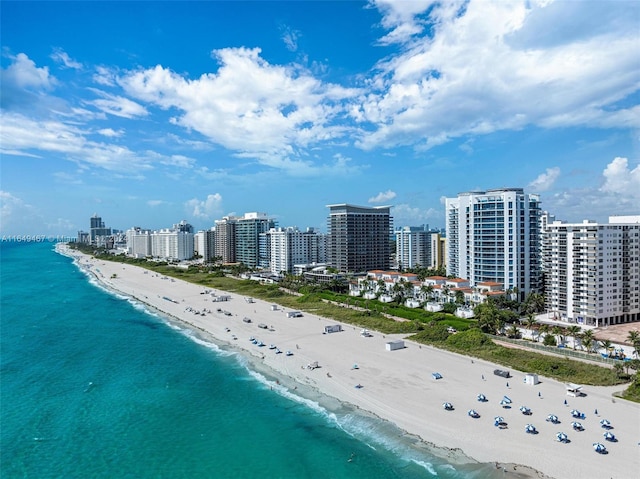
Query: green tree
[
  {"x": 587, "y": 340},
  {"x": 574, "y": 332},
  {"x": 543, "y": 331},
  {"x": 618, "y": 367}
]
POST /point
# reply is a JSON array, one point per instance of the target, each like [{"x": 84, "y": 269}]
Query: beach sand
[{"x": 398, "y": 386}]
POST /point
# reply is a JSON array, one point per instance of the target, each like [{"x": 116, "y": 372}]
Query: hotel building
[
  {"x": 359, "y": 237},
  {"x": 494, "y": 236},
  {"x": 413, "y": 246},
  {"x": 593, "y": 271}
]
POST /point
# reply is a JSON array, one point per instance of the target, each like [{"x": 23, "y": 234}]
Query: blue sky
[{"x": 148, "y": 113}]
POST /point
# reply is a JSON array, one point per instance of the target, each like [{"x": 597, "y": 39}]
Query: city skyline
[{"x": 150, "y": 112}]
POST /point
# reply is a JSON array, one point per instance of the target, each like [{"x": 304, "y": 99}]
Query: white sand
[{"x": 398, "y": 386}]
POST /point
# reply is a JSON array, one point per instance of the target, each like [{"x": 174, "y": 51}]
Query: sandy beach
[{"x": 398, "y": 385}]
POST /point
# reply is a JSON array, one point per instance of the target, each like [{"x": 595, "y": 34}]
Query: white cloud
[
  {"x": 383, "y": 197},
  {"x": 259, "y": 110},
  {"x": 154, "y": 203},
  {"x": 62, "y": 57},
  {"x": 621, "y": 180},
  {"x": 290, "y": 38},
  {"x": 545, "y": 180},
  {"x": 206, "y": 209},
  {"x": 481, "y": 69},
  {"x": 110, "y": 132},
  {"x": 23, "y": 73},
  {"x": 16, "y": 215},
  {"x": 619, "y": 194},
  {"x": 20, "y": 135},
  {"x": 407, "y": 215},
  {"x": 117, "y": 105}
]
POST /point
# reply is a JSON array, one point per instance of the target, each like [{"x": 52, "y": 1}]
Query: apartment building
[
  {"x": 413, "y": 246},
  {"x": 359, "y": 237},
  {"x": 138, "y": 242},
  {"x": 204, "y": 244},
  {"x": 172, "y": 244},
  {"x": 593, "y": 271},
  {"x": 494, "y": 236},
  {"x": 290, "y": 246}
]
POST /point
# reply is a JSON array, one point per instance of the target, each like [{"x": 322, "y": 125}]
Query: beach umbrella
[
  {"x": 595, "y": 412},
  {"x": 565, "y": 402},
  {"x": 507, "y": 384},
  {"x": 599, "y": 448},
  {"x": 539, "y": 395}
]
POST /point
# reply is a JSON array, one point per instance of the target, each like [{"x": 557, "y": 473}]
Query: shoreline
[{"x": 397, "y": 385}]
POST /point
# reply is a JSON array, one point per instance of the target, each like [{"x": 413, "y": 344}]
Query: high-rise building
[
  {"x": 247, "y": 237},
  {"x": 225, "y": 239},
  {"x": 138, "y": 242},
  {"x": 413, "y": 246},
  {"x": 172, "y": 244},
  {"x": 359, "y": 237},
  {"x": 494, "y": 235},
  {"x": 438, "y": 251},
  {"x": 593, "y": 271},
  {"x": 204, "y": 244},
  {"x": 290, "y": 246},
  {"x": 97, "y": 230}
]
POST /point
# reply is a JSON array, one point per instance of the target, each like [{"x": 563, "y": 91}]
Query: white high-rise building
[
  {"x": 204, "y": 244},
  {"x": 593, "y": 271},
  {"x": 290, "y": 246},
  {"x": 413, "y": 246},
  {"x": 494, "y": 236},
  {"x": 172, "y": 244},
  {"x": 138, "y": 242}
]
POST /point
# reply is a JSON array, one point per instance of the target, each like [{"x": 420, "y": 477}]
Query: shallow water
[{"x": 94, "y": 385}]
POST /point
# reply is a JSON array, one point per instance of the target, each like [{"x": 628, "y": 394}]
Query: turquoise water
[{"x": 95, "y": 386}]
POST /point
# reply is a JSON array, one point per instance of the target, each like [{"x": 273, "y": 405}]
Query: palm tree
[
  {"x": 587, "y": 339},
  {"x": 574, "y": 332},
  {"x": 543, "y": 330},
  {"x": 634, "y": 338},
  {"x": 618, "y": 367},
  {"x": 607, "y": 346},
  {"x": 530, "y": 322},
  {"x": 513, "y": 332},
  {"x": 558, "y": 331}
]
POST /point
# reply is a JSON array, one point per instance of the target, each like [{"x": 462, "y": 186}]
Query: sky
[{"x": 147, "y": 113}]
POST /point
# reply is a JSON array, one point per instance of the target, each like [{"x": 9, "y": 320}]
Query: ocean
[{"x": 93, "y": 385}]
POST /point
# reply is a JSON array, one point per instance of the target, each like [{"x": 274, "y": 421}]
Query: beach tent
[
  {"x": 577, "y": 426},
  {"x": 530, "y": 429},
  {"x": 436, "y": 375},
  {"x": 448, "y": 406},
  {"x": 482, "y": 398},
  {"x": 562, "y": 437},
  {"x": 577, "y": 414},
  {"x": 473, "y": 413},
  {"x": 609, "y": 437}
]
